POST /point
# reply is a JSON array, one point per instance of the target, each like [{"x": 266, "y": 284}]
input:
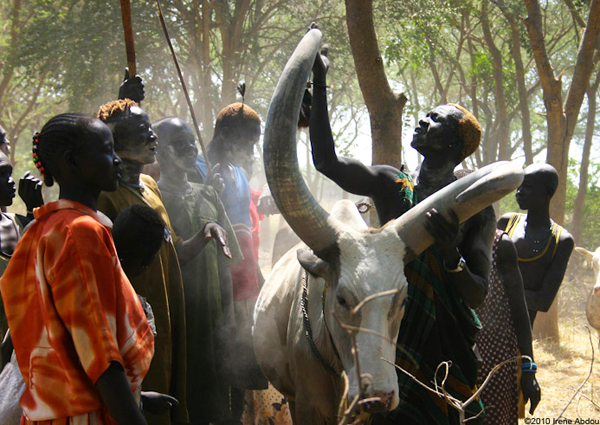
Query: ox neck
[{"x": 308, "y": 328}]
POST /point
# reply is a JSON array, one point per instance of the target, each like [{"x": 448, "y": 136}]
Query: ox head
[
  {"x": 592, "y": 307},
  {"x": 363, "y": 268},
  {"x": 594, "y": 259}
]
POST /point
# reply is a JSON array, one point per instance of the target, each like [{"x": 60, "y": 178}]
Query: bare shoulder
[
  {"x": 385, "y": 171},
  {"x": 566, "y": 241}
]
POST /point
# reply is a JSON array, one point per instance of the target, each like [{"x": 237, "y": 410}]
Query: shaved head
[{"x": 544, "y": 174}]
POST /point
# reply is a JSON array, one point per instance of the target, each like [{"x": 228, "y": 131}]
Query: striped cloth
[{"x": 437, "y": 326}]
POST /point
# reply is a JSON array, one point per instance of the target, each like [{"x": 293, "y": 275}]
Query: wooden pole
[
  {"x": 183, "y": 86},
  {"x": 128, "y": 31}
]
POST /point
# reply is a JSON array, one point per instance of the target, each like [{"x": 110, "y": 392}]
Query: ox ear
[
  {"x": 589, "y": 256},
  {"x": 313, "y": 264}
]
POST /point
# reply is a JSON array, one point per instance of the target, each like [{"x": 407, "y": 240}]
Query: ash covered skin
[
  {"x": 177, "y": 157},
  {"x": 135, "y": 140},
  {"x": 136, "y": 144}
]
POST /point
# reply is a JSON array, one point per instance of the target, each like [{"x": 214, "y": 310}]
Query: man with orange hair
[
  {"x": 446, "y": 281},
  {"x": 237, "y": 130}
]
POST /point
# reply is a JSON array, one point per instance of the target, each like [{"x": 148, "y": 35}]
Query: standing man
[
  {"x": 449, "y": 279},
  {"x": 543, "y": 247}
]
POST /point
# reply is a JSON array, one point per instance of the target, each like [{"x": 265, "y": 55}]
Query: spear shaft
[
  {"x": 183, "y": 86},
  {"x": 128, "y": 31}
]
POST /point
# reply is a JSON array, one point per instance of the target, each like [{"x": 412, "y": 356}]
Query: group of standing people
[{"x": 161, "y": 317}]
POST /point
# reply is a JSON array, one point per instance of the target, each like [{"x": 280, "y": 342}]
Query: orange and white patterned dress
[{"x": 72, "y": 311}]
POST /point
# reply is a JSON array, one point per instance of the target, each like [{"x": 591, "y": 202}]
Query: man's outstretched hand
[{"x": 131, "y": 88}]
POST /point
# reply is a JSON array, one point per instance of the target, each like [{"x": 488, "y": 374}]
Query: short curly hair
[
  {"x": 114, "y": 112},
  {"x": 233, "y": 115},
  {"x": 469, "y": 131}
]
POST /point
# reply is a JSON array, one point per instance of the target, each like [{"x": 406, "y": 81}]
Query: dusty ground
[{"x": 562, "y": 369}]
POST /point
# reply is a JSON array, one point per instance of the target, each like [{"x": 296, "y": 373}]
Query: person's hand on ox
[
  {"x": 321, "y": 66},
  {"x": 445, "y": 234}
]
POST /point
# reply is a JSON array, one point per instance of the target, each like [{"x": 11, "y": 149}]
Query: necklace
[
  {"x": 177, "y": 190},
  {"x": 536, "y": 243},
  {"x": 139, "y": 187}
]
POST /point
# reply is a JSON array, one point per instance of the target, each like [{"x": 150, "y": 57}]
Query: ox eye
[{"x": 342, "y": 302}]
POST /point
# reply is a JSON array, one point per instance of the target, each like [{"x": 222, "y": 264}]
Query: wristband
[
  {"x": 459, "y": 267},
  {"x": 529, "y": 367},
  {"x": 320, "y": 85}
]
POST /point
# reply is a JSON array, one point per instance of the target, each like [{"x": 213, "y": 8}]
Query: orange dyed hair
[
  {"x": 469, "y": 131},
  {"x": 235, "y": 116}
]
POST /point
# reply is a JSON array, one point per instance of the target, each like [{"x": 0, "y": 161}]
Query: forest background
[{"x": 528, "y": 69}]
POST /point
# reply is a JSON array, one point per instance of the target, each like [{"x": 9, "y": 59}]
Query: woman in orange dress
[{"x": 80, "y": 335}]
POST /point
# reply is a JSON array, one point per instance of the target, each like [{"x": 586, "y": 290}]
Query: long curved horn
[
  {"x": 300, "y": 209},
  {"x": 466, "y": 196}
]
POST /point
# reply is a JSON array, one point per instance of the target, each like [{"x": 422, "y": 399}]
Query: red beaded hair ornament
[{"x": 36, "y": 159}]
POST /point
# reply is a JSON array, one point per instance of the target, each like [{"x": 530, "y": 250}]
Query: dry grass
[{"x": 562, "y": 368}]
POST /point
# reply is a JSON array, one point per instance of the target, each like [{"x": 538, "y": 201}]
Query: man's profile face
[
  {"x": 180, "y": 145},
  {"x": 240, "y": 147},
  {"x": 437, "y": 130},
  {"x": 533, "y": 191},
  {"x": 135, "y": 138}
]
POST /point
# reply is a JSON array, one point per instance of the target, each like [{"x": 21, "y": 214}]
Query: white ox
[
  {"x": 299, "y": 340},
  {"x": 592, "y": 307}
]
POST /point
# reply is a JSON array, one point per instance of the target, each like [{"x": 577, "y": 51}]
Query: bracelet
[
  {"x": 529, "y": 367},
  {"x": 459, "y": 267},
  {"x": 319, "y": 85}
]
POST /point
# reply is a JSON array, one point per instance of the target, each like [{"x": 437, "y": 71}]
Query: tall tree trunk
[
  {"x": 561, "y": 119},
  {"x": 502, "y": 138},
  {"x": 385, "y": 107},
  {"x": 515, "y": 50},
  {"x": 231, "y": 34},
  {"x": 8, "y": 73},
  {"x": 522, "y": 89},
  {"x": 579, "y": 204}
]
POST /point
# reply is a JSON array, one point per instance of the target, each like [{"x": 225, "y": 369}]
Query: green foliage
[{"x": 69, "y": 55}]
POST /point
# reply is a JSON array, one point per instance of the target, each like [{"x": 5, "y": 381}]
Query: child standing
[{"x": 80, "y": 335}]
